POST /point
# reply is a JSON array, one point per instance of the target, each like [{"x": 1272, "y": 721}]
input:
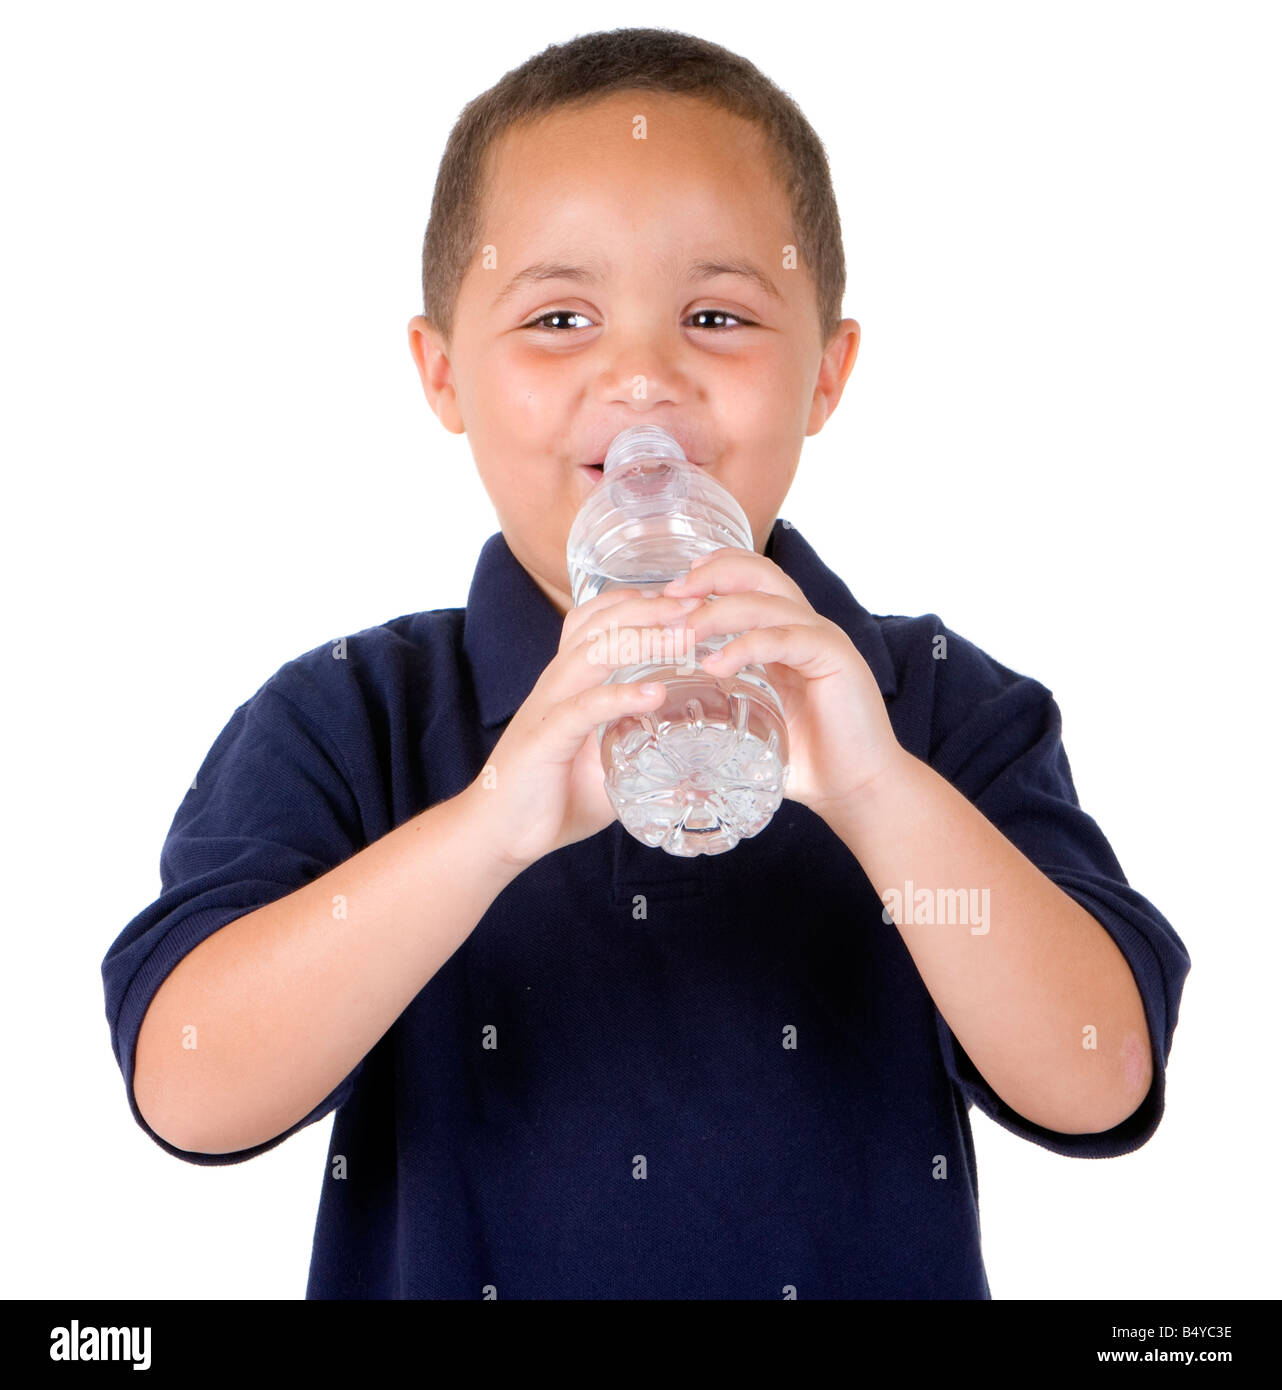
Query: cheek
[
  {"x": 531, "y": 388},
  {"x": 762, "y": 387},
  {"x": 513, "y": 402}
]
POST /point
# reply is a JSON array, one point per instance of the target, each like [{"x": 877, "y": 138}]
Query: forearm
[
  {"x": 282, "y": 1003},
  {"x": 1021, "y": 991}
]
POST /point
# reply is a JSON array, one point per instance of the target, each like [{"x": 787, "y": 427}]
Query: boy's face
[{"x": 638, "y": 325}]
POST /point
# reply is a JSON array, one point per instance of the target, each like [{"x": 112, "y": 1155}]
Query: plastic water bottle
[{"x": 707, "y": 768}]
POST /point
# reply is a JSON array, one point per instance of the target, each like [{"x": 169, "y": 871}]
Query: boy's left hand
[{"x": 840, "y": 736}]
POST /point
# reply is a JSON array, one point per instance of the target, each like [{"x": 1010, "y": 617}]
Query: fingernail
[{"x": 687, "y": 604}]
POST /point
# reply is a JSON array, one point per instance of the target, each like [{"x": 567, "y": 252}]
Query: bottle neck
[{"x": 642, "y": 442}]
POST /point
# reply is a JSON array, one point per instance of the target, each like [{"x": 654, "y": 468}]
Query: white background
[{"x": 1060, "y": 436}]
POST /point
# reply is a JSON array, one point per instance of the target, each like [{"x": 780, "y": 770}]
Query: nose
[{"x": 643, "y": 367}]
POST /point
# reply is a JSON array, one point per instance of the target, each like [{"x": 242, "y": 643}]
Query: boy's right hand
[{"x": 543, "y": 786}]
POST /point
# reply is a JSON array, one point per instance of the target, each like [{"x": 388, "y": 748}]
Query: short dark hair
[{"x": 590, "y": 66}]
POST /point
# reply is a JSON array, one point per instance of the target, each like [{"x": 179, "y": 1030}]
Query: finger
[
  {"x": 653, "y": 612},
  {"x": 602, "y": 650},
  {"x": 604, "y": 599},
  {"x": 733, "y": 569},
  {"x": 740, "y": 611},
  {"x": 584, "y": 612},
  {"x": 812, "y": 650},
  {"x": 561, "y": 733},
  {"x": 612, "y": 593}
]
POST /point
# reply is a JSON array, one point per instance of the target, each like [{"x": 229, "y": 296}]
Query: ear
[
  {"x": 430, "y": 353},
  {"x": 834, "y": 367}
]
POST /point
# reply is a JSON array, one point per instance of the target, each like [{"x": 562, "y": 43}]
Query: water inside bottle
[{"x": 703, "y": 771}]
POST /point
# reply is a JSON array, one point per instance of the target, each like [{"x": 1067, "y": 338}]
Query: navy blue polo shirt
[{"x": 718, "y": 1077}]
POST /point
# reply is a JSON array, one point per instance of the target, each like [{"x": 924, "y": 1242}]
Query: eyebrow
[{"x": 697, "y": 270}]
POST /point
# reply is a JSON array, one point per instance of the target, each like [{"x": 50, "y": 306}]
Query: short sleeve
[
  {"x": 269, "y": 810},
  {"x": 1000, "y": 744}
]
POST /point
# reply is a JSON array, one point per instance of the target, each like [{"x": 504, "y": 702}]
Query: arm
[
  {"x": 288, "y": 999},
  {"x": 1018, "y": 995},
  {"x": 1023, "y": 997}
]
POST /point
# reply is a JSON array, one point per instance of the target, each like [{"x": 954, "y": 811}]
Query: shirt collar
[{"x": 511, "y": 629}]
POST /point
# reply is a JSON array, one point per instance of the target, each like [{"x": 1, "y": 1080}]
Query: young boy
[{"x": 561, "y": 1064}]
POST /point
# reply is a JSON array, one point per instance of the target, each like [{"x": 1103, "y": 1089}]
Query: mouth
[{"x": 596, "y": 471}]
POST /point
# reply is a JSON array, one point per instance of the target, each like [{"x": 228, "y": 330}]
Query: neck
[{"x": 558, "y": 598}]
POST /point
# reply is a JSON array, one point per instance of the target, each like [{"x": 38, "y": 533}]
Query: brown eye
[
  {"x": 720, "y": 314},
  {"x": 542, "y": 320}
]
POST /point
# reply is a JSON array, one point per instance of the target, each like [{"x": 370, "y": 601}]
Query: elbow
[
  {"x": 1092, "y": 1105},
  {"x": 157, "y": 1094},
  {"x": 169, "y": 1130},
  {"x": 1101, "y": 1120},
  {"x": 1135, "y": 1084},
  {"x": 148, "y": 1094},
  {"x": 1128, "y": 1091}
]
